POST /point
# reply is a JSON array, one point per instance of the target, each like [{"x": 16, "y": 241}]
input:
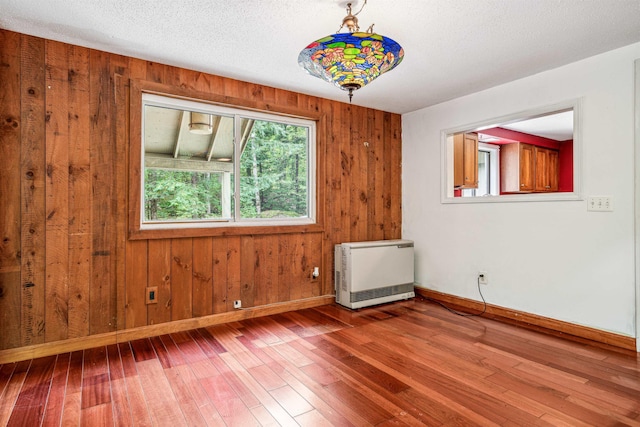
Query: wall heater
[{"x": 369, "y": 273}]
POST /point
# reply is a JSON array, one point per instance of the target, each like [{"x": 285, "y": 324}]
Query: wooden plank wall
[{"x": 67, "y": 268}]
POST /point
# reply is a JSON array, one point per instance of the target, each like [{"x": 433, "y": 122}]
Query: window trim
[
  {"x": 446, "y": 157},
  {"x": 247, "y": 108},
  {"x": 238, "y": 115}
]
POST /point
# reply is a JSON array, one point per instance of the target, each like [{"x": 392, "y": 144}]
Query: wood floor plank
[
  {"x": 408, "y": 363},
  {"x": 412, "y": 371},
  {"x": 190, "y": 350},
  {"x": 317, "y": 395},
  {"x": 350, "y": 317},
  {"x": 97, "y": 416},
  {"x": 268, "y": 379},
  {"x": 312, "y": 419},
  {"x": 127, "y": 359},
  {"x": 435, "y": 410},
  {"x": 227, "y": 402},
  {"x": 291, "y": 401},
  {"x": 6, "y": 371},
  {"x": 361, "y": 368},
  {"x": 96, "y": 390},
  {"x": 628, "y": 419},
  {"x": 456, "y": 361},
  {"x": 235, "y": 413},
  {"x": 207, "y": 342},
  {"x": 186, "y": 402},
  {"x": 264, "y": 398},
  {"x": 264, "y": 418},
  {"x": 95, "y": 362},
  {"x": 555, "y": 400},
  {"x": 573, "y": 385},
  {"x": 203, "y": 369},
  {"x": 26, "y": 416},
  {"x": 291, "y": 354},
  {"x": 305, "y": 327},
  {"x": 161, "y": 352},
  {"x": 359, "y": 402},
  {"x": 332, "y": 371},
  {"x": 274, "y": 329},
  {"x": 231, "y": 369},
  {"x": 34, "y": 391},
  {"x": 545, "y": 413},
  {"x": 95, "y": 378},
  {"x": 120, "y": 403},
  {"x": 259, "y": 329},
  {"x": 176, "y": 357},
  {"x": 72, "y": 409},
  {"x": 140, "y": 411},
  {"x": 198, "y": 393},
  {"x": 143, "y": 350},
  {"x": 477, "y": 396},
  {"x": 162, "y": 403},
  {"x": 73, "y": 396},
  {"x": 55, "y": 399},
  {"x": 319, "y": 374},
  {"x": 321, "y": 319}
]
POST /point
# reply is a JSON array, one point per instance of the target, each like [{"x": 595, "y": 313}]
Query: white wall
[{"x": 550, "y": 258}]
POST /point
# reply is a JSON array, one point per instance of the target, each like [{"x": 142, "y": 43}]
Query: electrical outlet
[
  {"x": 483, "y": 279},
  {"x": 237, "y": 304},
  {"x": 600, "y": 203},
  {"x": 152, "y": 295}
]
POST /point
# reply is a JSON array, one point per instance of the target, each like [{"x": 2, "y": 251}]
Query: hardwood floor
[{"x": 406, "y": 363}]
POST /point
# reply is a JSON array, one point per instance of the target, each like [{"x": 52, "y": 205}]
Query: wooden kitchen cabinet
[
  {"x": 517, "y": 163},
  {"x": 465, "y": 160},
  {"x": 525, "y": 168},
  {"x": 546, "y": 167}
]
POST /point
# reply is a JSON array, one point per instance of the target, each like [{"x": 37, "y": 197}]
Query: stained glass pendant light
[{"x": 351, "y": 60}]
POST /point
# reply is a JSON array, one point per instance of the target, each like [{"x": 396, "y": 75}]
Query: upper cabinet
[
  {"x": 465, "y": 160},
  {"x": 546, "y": 169},
  {"x": 516, "y": 168},
  {"x": 526, "y": 168}
]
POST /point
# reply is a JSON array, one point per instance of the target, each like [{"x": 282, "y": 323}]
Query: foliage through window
[{"x": 196, "y": 155}]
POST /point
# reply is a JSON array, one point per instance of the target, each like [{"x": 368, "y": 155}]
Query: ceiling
[
  {"x": 171, "y": 143},
  {"x": 452, "y": 47},
  {"x": 558, "y": 127}
]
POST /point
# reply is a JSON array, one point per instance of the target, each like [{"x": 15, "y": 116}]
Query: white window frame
[
  {"x": 446, "y": 163},
  {"x": 150, "y": 99}
]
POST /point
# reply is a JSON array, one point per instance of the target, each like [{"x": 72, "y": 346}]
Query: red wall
[
  {"x": 565, "y": 151},
  {"x": 565, "y": 165}
]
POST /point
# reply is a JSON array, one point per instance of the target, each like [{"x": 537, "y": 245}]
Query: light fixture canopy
[
  {"x": 351, "y": 60},
  {"x": 201, "y": 123}
]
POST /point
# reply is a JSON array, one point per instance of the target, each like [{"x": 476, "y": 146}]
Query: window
[
  {"x": 488, "y": 172},
  {"x": 206, "y": 165}
]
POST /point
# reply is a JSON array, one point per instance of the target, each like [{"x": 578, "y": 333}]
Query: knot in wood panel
[{"x": 181, "y": 264}]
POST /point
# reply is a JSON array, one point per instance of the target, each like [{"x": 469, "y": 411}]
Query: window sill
[{"x": 174, "y": 233}]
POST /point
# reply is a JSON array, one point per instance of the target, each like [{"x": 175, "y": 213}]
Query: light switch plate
[{"x": 600, "y": 203}]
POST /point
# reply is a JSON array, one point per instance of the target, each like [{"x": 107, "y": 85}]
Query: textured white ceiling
[{"x": 452, "y": 47}]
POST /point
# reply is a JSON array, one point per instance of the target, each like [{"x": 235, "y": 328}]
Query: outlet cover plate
[
  {"x": 152, "y": 295},
  {"x": 483, "y": 279}
]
